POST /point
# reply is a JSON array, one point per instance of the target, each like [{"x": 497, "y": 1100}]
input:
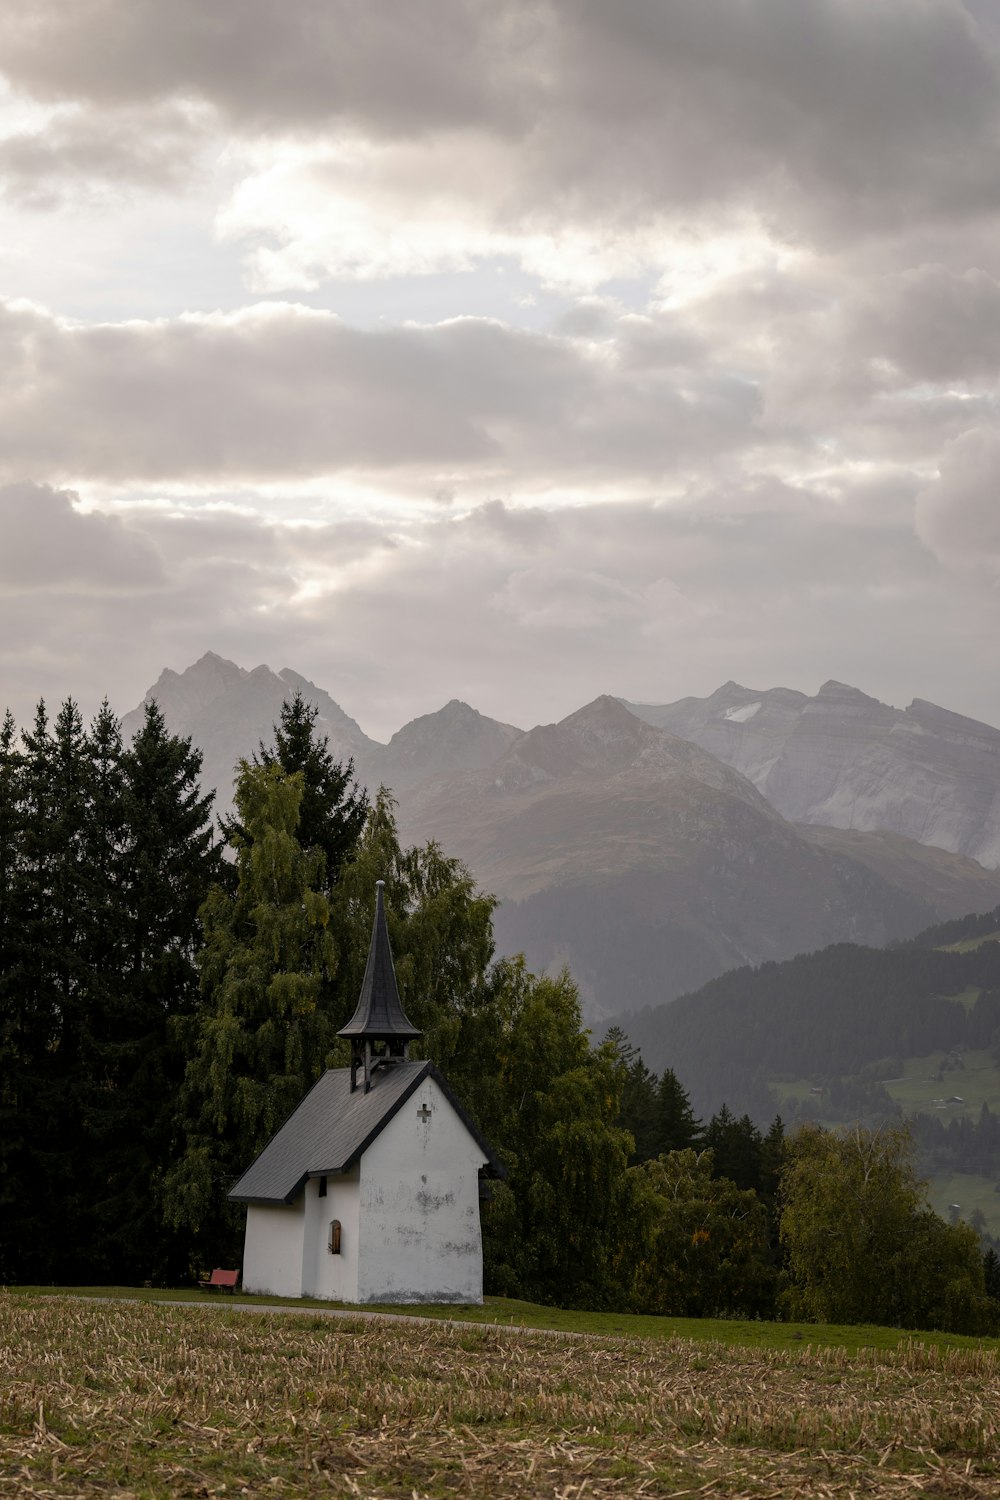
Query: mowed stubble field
[{"x": 102, "y": 1399}]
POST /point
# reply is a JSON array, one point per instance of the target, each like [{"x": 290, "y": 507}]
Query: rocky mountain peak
[
  {"x": 604, "y": 716},
  {"x": 834, "y": 689},
  {"x": 227, "y": 711},
  {"x": 958, "y": 728},
  {"x": 602, "y": 736},
  {"x": 205, "y": 680},
  {"x": 840, "y": 698},
  {"x": 455, "y": 717},
  {"x": 456, "y": 737},
  {"x": 605, "y": 739}
]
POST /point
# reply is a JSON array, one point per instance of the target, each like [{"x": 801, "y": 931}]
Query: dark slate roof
[
  {"x": 332, "y": 1127},
  {"x": 379, "y": 1014}
]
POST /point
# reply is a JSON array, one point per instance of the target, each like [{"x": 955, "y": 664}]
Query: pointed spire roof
[{"x": 379, "y": 1015}]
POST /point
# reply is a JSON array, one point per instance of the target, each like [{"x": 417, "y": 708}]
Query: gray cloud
[
  {"x": 281, "y": 391},
  {"x": 757, "y": 381},
  {"x": 48, "y": 543},
  {"x": 827, "y": 117},
  {"x": 85, "y": 152},
  {"x": 265, "y": 65},
  {"x": 932, "y": 323},
  {"x": 958, "y": 516}
]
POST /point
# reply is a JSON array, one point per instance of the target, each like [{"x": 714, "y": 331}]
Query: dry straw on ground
[{"x": 144, "y": 1400}]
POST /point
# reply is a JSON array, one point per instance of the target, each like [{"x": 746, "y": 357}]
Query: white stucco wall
[
  {"x": 272, "y": 1254},
  {"x": 420, "y": 1237},
  {"x": 323, "y": 1274}
]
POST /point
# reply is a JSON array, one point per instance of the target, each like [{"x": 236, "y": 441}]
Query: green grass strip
[{"x": 511, "y": 1313}]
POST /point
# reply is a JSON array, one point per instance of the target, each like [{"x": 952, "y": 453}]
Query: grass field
[
  {"x": 970, "y": 1192},
  {"x": 507, "y": 1312},
  {"x": 959, "y": 1093},
  {"x": 976, "y": 1083},
  {"x": 141, "y": 1401},
  {"x": 968, "y": 944}
]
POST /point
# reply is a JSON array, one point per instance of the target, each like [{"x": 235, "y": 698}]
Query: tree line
[{"x": 169, "y": 991}]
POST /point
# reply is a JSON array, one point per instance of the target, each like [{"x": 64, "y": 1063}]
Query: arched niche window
[{"x": 333, "y": 1243}]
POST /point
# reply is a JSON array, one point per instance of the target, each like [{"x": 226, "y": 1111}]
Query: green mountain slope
[
  {"x": 844, "y": 1012},
  {"x": 851, "y": 1033}
]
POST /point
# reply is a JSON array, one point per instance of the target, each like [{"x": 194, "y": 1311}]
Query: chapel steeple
[{"x": 379, "y": 1031}]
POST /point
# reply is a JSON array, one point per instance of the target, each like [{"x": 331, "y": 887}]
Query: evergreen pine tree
[
  {"x": 737, "y": 1147},
  {"x": 52, "y": 914},
  {"x": 334, "y": 808},
  {"x": 96, "y": 845},
  {"x": 772, "y": 1160},
  {"x": 991, "y": 1274},
  {"x": 18, "y": 1043},
  {"x": 640, "y": 1106},
  {"x": 677, "y": 1129},
  {"x": 333, "y": 811},
  {"x": 161, "y": 860},
  {"x": 100, "y": 918}
]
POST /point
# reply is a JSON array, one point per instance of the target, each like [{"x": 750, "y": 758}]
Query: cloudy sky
[{"x": 501, "y": 349}]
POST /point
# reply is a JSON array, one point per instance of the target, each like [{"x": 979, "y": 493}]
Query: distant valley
[{"x": 641, "y": 844}]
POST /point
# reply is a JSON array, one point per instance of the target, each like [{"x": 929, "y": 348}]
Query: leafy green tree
[
  {"x": 941, "y": 1279},
  {"x": 848, "y": 1201},
  {"x": 707, "y": 1252},
  {"x": 440, "y": 926},
  {"x": 261, "y": 1037},
  {"x": 561, "y": 1228},
  {"x": 861, "y": 1244}
]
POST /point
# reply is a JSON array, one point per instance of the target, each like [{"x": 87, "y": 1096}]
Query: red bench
[{"x": 221, "y": 1281}]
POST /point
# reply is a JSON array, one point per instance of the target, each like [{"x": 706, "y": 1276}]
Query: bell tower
[{"x": 379, "y": 1031}]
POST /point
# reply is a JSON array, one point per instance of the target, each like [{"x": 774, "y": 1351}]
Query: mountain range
[
  {"x": 845, "y": 760},
  {"x": 645, "y": 845},
  {"x": 228, "y": 710}
]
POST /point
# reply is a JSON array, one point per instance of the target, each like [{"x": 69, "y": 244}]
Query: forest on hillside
[
  {"x": 843, "y": 1014},
  {"x": 909, "y": 1034},
  {"x": 170, "y": 989}
]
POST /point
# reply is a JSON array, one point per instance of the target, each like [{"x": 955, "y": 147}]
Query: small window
[
  {"x": 321, "y": 1192},
  {"x": 334, "y": 1241}
]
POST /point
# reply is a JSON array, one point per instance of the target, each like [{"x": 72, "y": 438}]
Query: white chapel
[{"x": 370, "y": 1191}]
